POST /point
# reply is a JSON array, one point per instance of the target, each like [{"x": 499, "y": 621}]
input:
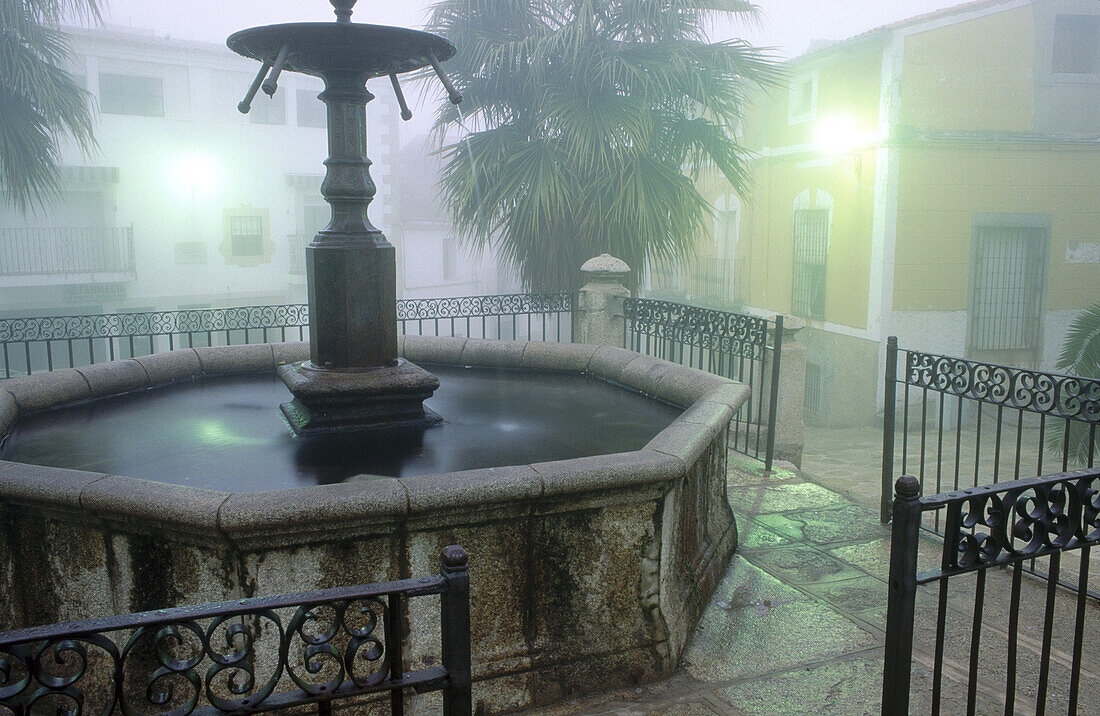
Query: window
[
  {"x": 311, "y": 111},
  {"x": 1006, "y": 287},
  {"x": 246, "y": 236},
  {"x": 802, "y": 101},
  {"x": 449, "y": 260},
  {"x": 127, "y": 94},
  {"x": 1077, "y": 44},
  {"x": 811, "y": 246},
  {"x": 268, "y": 110}
]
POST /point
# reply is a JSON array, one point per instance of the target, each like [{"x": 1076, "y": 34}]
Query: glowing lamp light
[
  {"x": 838, "y": 135},
  {"x": 196, "y": 171}
]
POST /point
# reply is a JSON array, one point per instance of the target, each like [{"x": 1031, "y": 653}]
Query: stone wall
[{"x": 586, "y": 574}]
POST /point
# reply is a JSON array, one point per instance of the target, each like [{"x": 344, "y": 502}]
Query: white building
[
  {"x": 431, "y": 262},
  {"x": 189, "y": 203}
]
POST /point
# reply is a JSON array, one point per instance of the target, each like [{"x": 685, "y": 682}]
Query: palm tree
[
  {"x": 39, "y": 101},
  {"x": 1080, "y": 356},
  {"x": 586, "y": 123}
]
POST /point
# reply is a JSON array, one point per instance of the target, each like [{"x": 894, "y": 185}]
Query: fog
[
  {"x": 788, "y": 27},
  {"x": 935, "y": 180}
]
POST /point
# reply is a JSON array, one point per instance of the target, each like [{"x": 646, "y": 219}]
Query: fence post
[
  {"x": 889, "y": 409},
  {"x": 600, "y": 302},
  {"x": 773, "y": 398},
  {"x": 454, "y": 607},
  {"x": 784, "y": 390},
  {"x": 903, "y": 591}
]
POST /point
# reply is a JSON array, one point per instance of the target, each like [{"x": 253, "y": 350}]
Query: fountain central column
[
  {"x": 353, "y": 379},
  {"x": 350, "y": 265}
]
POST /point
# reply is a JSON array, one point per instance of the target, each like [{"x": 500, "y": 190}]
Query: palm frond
[
  {"x": 583, "y": 123},
  {"x": 1080, "y": 356},
  {"x": 39, "y": 100}
]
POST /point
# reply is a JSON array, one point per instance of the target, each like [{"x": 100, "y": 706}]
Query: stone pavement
[{"x": 797, "y": 624}]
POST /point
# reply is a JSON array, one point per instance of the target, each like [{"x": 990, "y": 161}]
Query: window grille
[
  {"x": 246, "y": 235},
  {"x": 811, "y": 246},
  {"x": 126, "y": 94},
  {"x": 1007, "y": 287},
  {"x": 812, "y": 400}
]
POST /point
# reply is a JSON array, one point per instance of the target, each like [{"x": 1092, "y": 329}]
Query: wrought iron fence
[
  {"x": 41, "y": 251},
  {"x": 962, "y": 421},
  {"x": 518, "y": 316},
  {"x": 732, "y": 345},
  {"x": 1003, "y": 526},
  {"x": 30, "y": 345},
  {"x": 244, "y": 656},
  {"x": 951, "y": 420}
]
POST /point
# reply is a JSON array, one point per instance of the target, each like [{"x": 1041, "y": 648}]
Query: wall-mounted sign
[{"x": 1083, "y": 252}]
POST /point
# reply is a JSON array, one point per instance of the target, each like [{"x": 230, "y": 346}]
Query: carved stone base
[{"x": 384, "y": 398}]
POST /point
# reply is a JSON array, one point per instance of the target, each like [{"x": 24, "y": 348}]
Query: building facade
[
  {"x": 935, "y": 179},
  {"x": 188, "y": 203}
]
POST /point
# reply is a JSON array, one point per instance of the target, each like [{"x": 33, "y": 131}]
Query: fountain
[
  {"x": 587, "y": 572},
  {"x": 353, "y": 379}
]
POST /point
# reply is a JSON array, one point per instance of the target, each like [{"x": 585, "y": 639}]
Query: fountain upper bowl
[{"x": 320, "y": 48}]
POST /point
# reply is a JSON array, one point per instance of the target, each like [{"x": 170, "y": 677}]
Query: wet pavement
[{"x": 797, "y": 624}]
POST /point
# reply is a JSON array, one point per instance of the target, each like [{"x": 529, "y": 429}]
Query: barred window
[
  {"x": 1006, "y": 289},
  {"x": 811, "y": 246},
  {"x": 246, "y": 235}
]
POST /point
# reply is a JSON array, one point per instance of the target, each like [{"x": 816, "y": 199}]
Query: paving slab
[
  {"x": 802, "y": 497},
  {"x": 801, "y": 564},
  {"x": 846, "y": 523},
  {"x": 753, "y": 534},
  {"x": 756, "y": 624}
]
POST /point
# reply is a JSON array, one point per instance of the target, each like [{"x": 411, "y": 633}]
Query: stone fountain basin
[{"x": 586, "y": 574}]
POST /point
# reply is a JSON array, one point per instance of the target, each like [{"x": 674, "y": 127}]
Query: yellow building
[{"x": 937, "y": 179}]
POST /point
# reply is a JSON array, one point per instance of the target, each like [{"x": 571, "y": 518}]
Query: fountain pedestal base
[{"x": 382, "y": 398}]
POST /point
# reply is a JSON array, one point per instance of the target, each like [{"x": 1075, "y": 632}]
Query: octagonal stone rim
[{"x": 317, "y": 512}]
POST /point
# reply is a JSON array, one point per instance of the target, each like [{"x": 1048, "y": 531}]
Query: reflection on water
[{"x": 228, "y": 434}]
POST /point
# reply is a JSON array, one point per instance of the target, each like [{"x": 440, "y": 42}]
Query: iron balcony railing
[
  {"x": 296, "y": 252},
  {"x": 707, "y": 278},
  {"x": 46, "y": 251}
]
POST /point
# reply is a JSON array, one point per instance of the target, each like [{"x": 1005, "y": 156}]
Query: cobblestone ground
[{"x": 797, "y": 624}]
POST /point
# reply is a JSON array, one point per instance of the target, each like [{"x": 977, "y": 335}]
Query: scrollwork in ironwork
[
  {"x": 1025, "y": 518},
  {"x": 234, "y": 662},
  {"x": 414, "y": 309},
  {"x": 152, "y": 323},
  {"x": 1063, "y": 396},
  {"x": 732, "y": 333}
]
